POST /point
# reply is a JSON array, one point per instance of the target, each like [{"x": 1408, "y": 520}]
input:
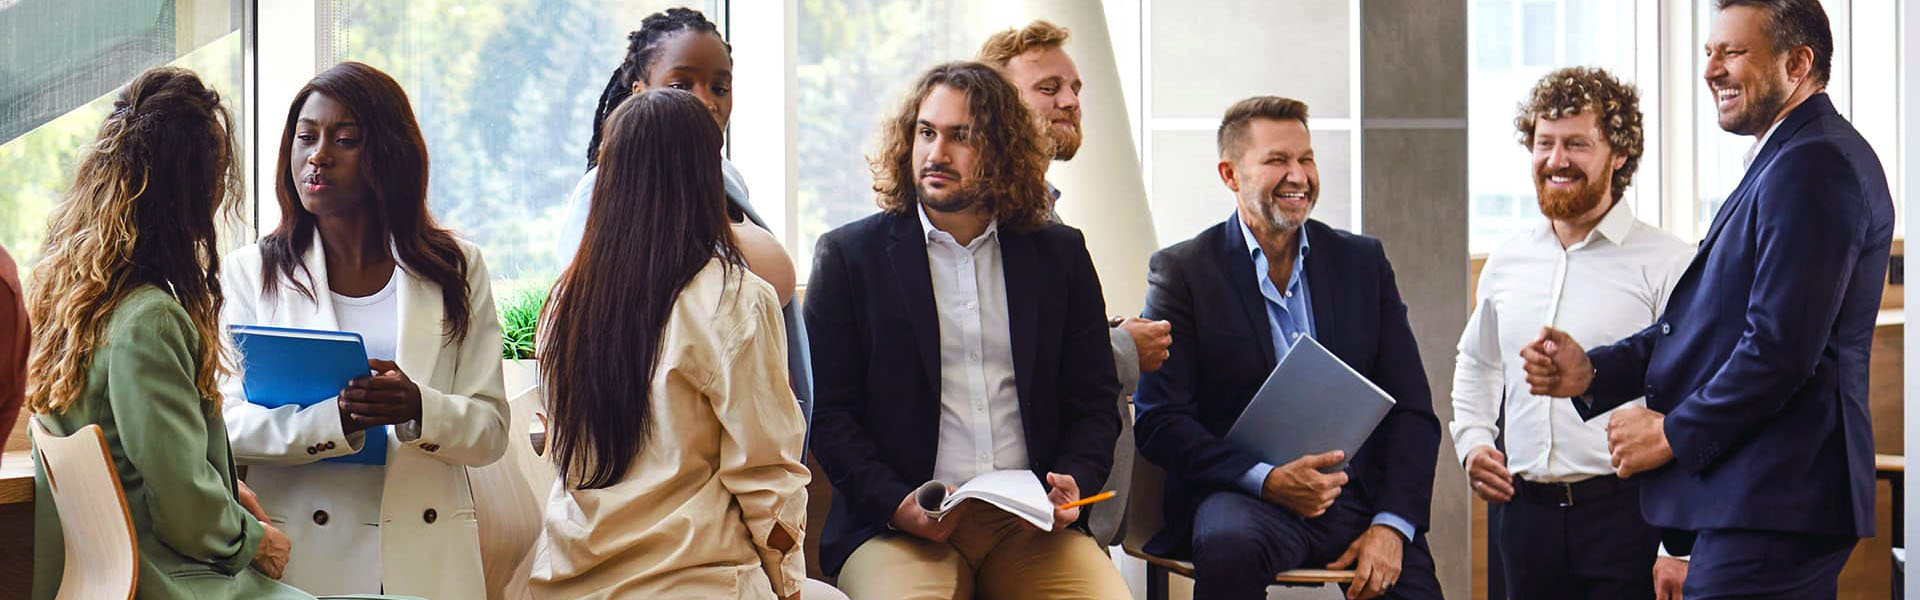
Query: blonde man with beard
[
  {"x": 1035, "y": 59},
  {"x": 1567, "y": 527}
]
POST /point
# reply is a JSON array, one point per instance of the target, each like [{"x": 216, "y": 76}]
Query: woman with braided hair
[{"x": 680, "y": 49}]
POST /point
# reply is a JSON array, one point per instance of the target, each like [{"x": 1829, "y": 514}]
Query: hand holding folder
[{"x": 387, "y": 397}]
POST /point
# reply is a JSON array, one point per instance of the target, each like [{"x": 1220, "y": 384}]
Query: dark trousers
[
  {"x": 1747, "y": 564},
  {"x": 1599, "y": 548},
  {"x": 1240, "y": 542}
]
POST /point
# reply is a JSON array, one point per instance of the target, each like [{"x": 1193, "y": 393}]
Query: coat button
[
  {"x": 1666, "y": 329},
  {"x": 319, "y": 517},
  {"x": 430, "y": 516}
]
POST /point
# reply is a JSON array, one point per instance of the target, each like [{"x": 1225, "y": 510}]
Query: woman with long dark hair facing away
[
  {"x": 127, "y": 300},
  {"x": 680, "y": 49},
  {"x": 356, "y": 250},
  {"x": 674, "y": 431}
]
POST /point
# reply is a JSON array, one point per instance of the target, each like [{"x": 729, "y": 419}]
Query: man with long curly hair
[
  {"x": 961, "y": 332},
  {"x": 1567, "y": 527}
]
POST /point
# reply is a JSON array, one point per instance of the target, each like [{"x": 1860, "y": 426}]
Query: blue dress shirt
[{"x": 1290, "y": 317}]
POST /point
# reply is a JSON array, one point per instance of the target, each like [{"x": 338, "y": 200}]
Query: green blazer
[{"x": 169, "y": 446}]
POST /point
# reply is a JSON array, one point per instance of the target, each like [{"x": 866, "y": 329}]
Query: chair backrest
[
  {"x": 1144, "y": 516},
  {"x": 509, "y": 501},
  {"x": 529, "y": 412},
  {"x": 102, "y": 557}
]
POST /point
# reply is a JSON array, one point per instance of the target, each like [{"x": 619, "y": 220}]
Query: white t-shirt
[{"x": 376, "y": 318}]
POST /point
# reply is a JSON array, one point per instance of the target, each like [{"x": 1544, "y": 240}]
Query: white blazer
[{"x": 428, "y": 541}]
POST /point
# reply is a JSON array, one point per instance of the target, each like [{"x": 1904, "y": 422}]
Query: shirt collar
[
  {"x": 1617, "y": 224},
  {"x": 1253, "y": 245},
  {"x": 1754, "y": 152},
  {"x": 927, "y": 228},
  {"x": 1614, "y": 226}
]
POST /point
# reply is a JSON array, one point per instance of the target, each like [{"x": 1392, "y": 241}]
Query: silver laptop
[{"x": 1311, "y": 403}]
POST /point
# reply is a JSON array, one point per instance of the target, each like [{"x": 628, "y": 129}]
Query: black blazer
[
  {"x": 875, "y": 342},
  {"x": 1223, "y": 351},
  {"x": 1760, "y": 362}
]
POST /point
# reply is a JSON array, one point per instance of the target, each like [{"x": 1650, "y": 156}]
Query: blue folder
[{"x": 303, "y": 367}]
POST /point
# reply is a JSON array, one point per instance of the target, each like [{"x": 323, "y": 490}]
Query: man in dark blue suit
[
  {"x": 959, "y": 332},
  {"x": 1755, "y": 438},
  {"x": 1238, "y": 296}
]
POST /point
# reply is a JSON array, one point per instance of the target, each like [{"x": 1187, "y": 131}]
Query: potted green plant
[{"x": 519, "y": 319}]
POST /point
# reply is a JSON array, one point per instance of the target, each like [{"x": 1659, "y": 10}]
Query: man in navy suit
[
  {"x": 1239, "y": 295},
  {"x": 1755, "y": 437},
  {"x": 958, "y": 332}
]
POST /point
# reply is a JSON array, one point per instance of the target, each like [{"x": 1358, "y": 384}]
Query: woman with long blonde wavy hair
[{"x": 127, "y": 302}]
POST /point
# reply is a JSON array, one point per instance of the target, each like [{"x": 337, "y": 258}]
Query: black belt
[{"x": 1568, "y": 494}]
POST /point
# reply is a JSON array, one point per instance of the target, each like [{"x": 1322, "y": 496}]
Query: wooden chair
[
  {"x": 1144, "y": 519},
  {"x": 102, "y": 557},
  {"x": 509, "y": 497}
]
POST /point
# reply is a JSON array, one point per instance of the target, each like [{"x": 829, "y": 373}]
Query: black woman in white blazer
[{"x": 356, "y": 250}]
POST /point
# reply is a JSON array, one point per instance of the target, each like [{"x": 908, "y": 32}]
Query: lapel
[
  {"x": 907, "y": 251},
  {"x": 1326, "y": 305},
  {"x": 422, "y": 323},
  {"x": 1019, "y": 262},
  {"x": 421, "y": 313},
  {"x": 1815, "y": 106},
  {"x": 1236, "y": 266}
]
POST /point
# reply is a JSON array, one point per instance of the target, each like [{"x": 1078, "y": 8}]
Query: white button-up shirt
[
  {"x": 980, "y": 425},
  {"x": 1602, "y": 289}
]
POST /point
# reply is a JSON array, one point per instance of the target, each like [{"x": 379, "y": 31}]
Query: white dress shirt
[
  {"x": 980, "y": 427},
  {"x": 1602, "y": 289}
]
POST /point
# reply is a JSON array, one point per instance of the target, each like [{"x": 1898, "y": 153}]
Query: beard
[
  {"x": 1275, "y": 219},
  {"x": 1065, "y": 138},
  {"x": 1570, "y": 204},
  {"x": 1764, "y": 99},
  {"x": 959, "y": 197}
]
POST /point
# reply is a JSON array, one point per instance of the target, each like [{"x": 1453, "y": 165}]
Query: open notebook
[{"x": 1017, "y": 492}]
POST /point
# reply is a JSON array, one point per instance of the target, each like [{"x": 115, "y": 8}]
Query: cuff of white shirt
[
  {"x": 1664, "y": 554},
  {"x": 1255, "y": 480},
  {"x": 1399, "y": 525},
  {"x": 1466, "y": 440}
]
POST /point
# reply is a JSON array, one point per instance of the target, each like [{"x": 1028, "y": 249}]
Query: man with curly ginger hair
[
  {"x": 1566, "y": 526},
  {"x": 961, "y": 333}
]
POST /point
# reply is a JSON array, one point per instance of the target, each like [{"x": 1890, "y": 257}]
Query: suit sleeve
[
  {"x": 1126, "y": 360},
  {"x": 1410, "y": 432},
  {"x": 161, "y": 424},
  {"x": 850, "y": 458},
  {"x": 1812, "y": 222},
  {"x": 760, "y": 463},
  {"x": 279, "y": 435},
  {"x": 1167, "y": 426},
  {"x": 466, "y": 424},
  {"x": 1089, "y": 423}
]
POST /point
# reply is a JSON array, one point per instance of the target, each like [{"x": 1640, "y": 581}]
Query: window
[
  {"x": 66, "y": 63},
  {"x": 1863, "y": 86},
  {"x": 1184, "y": 104},
  {"x": 1554, "y": 33},
  {"x": 855, "y": 61},
  {"x": 505, "y": 92}
]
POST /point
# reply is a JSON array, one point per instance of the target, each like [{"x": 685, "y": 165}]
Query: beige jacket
[{"x": 714, "y": 505}]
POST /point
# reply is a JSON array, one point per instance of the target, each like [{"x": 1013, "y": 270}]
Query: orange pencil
[{"x": 1106, "y": 495}]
